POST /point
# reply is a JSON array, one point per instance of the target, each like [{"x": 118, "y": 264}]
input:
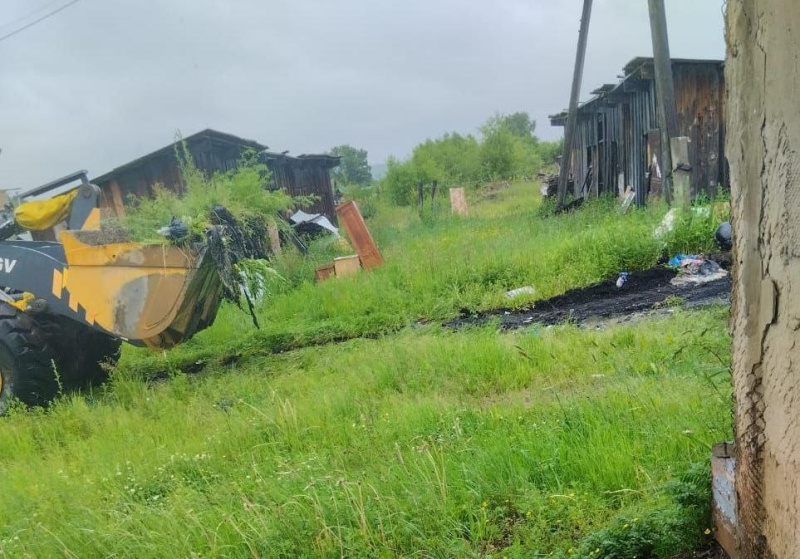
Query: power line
[
  {"x": 39, "y": 20},
  {"x": 11, "y": 24}
]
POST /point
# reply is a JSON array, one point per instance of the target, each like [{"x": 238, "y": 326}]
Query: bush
[
  {"x": 243, "y": 191},
  {"x": 682, "y": 525},
  {"x": 399, "y": 182},
  {"x": 507, "y": 149},
  {"x": 694, "y": 230}
]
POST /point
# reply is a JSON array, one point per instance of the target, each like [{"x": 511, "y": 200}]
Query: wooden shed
[
  {"x": 618, "y": 142},
  {"x": 215, "y": 151}
]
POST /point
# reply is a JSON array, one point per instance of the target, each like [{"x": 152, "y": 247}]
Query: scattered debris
[
  {"x": 695, "y": 269},
  {"x": 324, "y": 272},
  {"x": 574, "y": 205},
  {"x": 628, "y": 198},
  {"x": 359, "y": 235},
  {"x": 346, "y": 266},
  {"x": 678, "y": 260},
  {"x": 175, "y": 231},
  {"x": 643, "y": 291},
  {"x": 312, "y": 224},
  {"x": 667, "y": 224},
  {"x": 549, "y": 187},
  {"x": 527, "y": 290},
  {"x": 724, "y": 236}
]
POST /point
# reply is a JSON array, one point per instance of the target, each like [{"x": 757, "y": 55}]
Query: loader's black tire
[
  {"x": 96, "y": 356},
  {"x": 84, "y": 355},
  {"x": 26, "y": 361}
]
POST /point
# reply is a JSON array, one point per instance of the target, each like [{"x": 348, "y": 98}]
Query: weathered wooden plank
[{"x": 359, "y": 235}]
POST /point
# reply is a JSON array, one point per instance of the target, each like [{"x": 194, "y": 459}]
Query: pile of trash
[
  {"x": 549, "y": 188},
  {"x": 694, "y": 269}
]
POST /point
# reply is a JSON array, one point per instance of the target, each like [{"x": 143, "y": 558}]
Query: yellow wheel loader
[{"x": 66, "y": 306}]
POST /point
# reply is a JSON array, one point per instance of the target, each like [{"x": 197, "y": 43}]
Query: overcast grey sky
[{"x": 106, "y": 81}]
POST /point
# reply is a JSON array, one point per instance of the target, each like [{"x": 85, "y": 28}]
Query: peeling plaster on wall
[{"x": 763, "y": 80}]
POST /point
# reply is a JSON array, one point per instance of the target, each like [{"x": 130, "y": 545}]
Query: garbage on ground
[
  {"x": 677, "y": 260},
  {"x": 312, "y": 224},
  {"x": 527, "y": 290},
  {"x": 667, "y": 224},
  {"x": 627, "y": 199},
  {"x": 695, "y": 270},
  {"x": 724, "y": 236},
  {"x": 549, "y": 188},
  {"x": 622, "y": 279}
]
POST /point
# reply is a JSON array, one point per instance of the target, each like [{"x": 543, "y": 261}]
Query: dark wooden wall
[
  {"x": 615, "y": 132},
  {"x": 699, "y": 96},
  {"x": 304, "y": 175}
]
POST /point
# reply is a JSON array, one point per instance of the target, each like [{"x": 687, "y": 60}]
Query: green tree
[
  {"x": 507, "y": 149},
  {"x": 499, "y": 151},
  {"x": 353, "y": 168},
  {"x": 521, "y": 125},
  {"x": 400, "y": 181}
]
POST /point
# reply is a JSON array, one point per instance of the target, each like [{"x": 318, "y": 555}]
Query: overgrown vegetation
[
  {"x": 428, "y": 443},
  {"x": 244, "y": 192},
  {"x": 507, "y": 149},
  {"x": 403, "y": 438}
]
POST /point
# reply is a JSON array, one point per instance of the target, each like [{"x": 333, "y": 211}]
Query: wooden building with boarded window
[
  {"x": 618, "y": 142},
  {"x": 214, "y": 151}
]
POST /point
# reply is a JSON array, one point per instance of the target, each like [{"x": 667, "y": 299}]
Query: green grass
[
  {"x": 427, "y": 443},
  {"x": 437, "y": 265},
  {"x": 409, "y": 439}
]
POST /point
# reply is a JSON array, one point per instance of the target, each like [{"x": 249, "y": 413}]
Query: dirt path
[{"x": 643, "y": 292}]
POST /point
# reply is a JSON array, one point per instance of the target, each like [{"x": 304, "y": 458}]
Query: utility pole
[
  {"x": 665, "y": 90},
  {"x": 572, "y": 118}
]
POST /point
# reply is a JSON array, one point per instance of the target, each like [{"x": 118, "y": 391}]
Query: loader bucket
[{"x": 153, "y": 295}]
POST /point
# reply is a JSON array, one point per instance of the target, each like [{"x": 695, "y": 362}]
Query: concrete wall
[{"x": 763, "y": 80}]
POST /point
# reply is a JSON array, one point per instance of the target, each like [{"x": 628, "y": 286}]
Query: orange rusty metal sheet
[{"x": 359, "y": 235}]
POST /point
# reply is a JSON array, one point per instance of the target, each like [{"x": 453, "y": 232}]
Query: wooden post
[
  {"x": 116, "y": 197},
  {"x": 681, "y": 172},
  {"x": 572, "y": 118},
  {"x": 458, "y": 201},
  {"x": 665, "y": 89},
  {"x": 274, "y": 239}
]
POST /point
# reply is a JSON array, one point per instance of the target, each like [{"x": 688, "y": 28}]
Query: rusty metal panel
[
  {"x": 723, "y": 511},
  {"x": 359, "y": 235}
]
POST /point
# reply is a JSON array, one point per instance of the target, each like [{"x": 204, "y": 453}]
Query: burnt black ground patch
[{"x": 644, "y": 291}]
